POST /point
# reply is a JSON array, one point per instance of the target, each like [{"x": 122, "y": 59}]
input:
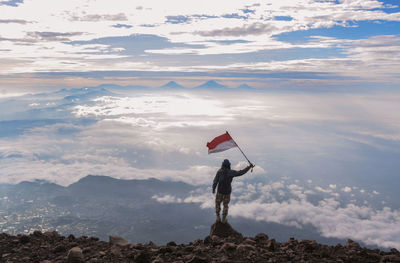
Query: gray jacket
[{"x": 224, "y": 178}]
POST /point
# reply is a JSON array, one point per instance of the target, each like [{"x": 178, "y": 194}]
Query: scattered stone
[
  {"x": 261, "y": 237},
  {"x": 171, "y": 244},
  {"x": 197, "y": 259},
  {"x": 142, "y": 257},
  {"x": 24, "y": 239},
  {"x": 119, "y": 241},
  {"x": 223, "y": 245},
  {"x": 224, "y": 230},
  {"x": 75, "y": 255}
]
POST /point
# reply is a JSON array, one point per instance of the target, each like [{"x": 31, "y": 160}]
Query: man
[{"x": 223, "y": 179}]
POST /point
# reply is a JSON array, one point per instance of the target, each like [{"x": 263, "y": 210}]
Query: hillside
[
  {"x": 222, "y": 245},
  {"x": 102, "y": 206}
]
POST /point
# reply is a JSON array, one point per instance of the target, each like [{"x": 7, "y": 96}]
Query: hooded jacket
[{"x": 224, "y": 178}]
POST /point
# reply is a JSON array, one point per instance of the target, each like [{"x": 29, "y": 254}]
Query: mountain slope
[{"x": 103, "y": 206}]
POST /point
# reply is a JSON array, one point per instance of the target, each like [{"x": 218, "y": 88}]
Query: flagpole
[{"x": 240, "y": 149}]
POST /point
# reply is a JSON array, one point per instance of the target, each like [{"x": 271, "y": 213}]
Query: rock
[
  {"x": 271, "y": 245},
  {"x": 351, "y": 244},
  {"x": 158, "y": 260},
  {"x": 224, "y": 230},
  {"x": 142, "y": 257},
  {"x": 37, "y": 233},
  {"x": 75, "y": 255},
  {"x": 116, "y": 240},
  {"x": 60, "y": 248},
  {"x": 394, "y": 251},
  {"x": 24, "y": 239},
  {"x": 171, "y": 244},
  {"x": 244, "y": 249},
  {"x": 51, "y": 234},
  {"x": 390, "y": 258},
  {"x": 164, "y": 250},
  {"x": 249, "y": 241},
  {"x": 228, "y": 247},
  {"x": 50, "y": 247},
  {"x": 261, "y": 237},
  {"x": 197, "y": 259},
  {"x": 116, "y": 251},
  {"x": 207, "y": 240}
]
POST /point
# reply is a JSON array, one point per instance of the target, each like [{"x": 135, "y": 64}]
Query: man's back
[{"x": 224, "y": 178}]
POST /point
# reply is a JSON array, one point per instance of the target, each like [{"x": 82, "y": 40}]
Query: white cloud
[
  {"x": 346, "y": 189},
  {"x": 319, "y": 188},
  {"x": 195, "y": 24},
  {"x": 332, "y": 218},
  {"x": 167, "y": 199}
]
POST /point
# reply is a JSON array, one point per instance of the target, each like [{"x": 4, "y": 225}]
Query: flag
[{"x": 221, "y": 143}]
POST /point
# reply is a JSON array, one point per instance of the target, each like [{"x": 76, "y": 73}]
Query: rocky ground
[{"x": 223, "y": 244}]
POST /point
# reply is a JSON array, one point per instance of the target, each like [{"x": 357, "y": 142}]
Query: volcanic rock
[
  {"x": 223, "y": 245},
  {"x": 224, "y": 230},
  {"x": 75, "y": 255},
  {"x": 116, "y": 240}
]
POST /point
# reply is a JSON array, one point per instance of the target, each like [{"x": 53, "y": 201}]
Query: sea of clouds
[{"x": 322, "y": 159}]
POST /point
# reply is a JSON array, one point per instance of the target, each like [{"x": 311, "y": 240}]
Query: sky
[
  {"x": 331, "y": 43},
  {"x": 81, "y": 92}
]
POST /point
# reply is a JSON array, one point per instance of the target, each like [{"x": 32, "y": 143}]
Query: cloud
[
  {"x": 122, "y": 26},
  {"x": 53, "y": 36},
  {"x": 251, "y": 29},
  {"x": 346, "y": 189},
  {"x": 177, "y": 19},
  {"x": 167, "y": 199},
  {"x": 355, "y": 222},
  {"x": 192, "y": 29},
  {"x": 13, "y": 3},
  {"x": 16, "y": 21},
  {"x": 99, "y": 17},
  {"x": 333, "y": 218}
]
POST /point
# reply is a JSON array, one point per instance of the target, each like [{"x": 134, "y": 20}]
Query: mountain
[
  {"x": 102, "y": 206},
  {"x": 244, "y": 86},
  {"x": 211, "y": 84},
  {"x": 222, "y": 244},
  {"x": 172, "y": 85},
  {"x": 87, "y": 93}
]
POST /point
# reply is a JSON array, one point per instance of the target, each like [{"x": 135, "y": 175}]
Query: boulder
[
  {"x": 75, "y": 255},
  {"x": 197, "y": 259},
  {"x": 228, "y": 247},
  {"x": 224, "y": 230},
  {"x": 119, "y": 241},
  {"x": 142, "y": 257}
]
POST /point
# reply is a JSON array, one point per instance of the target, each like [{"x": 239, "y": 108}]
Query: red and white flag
[{"x": 221, "y": 143}]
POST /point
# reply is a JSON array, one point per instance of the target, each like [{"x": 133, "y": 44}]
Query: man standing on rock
[{"x": 223, "y": 179}]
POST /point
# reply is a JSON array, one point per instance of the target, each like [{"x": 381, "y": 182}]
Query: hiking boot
[
  {"x": 224, "y": 220},
  {"x": 218, "y": 219}
]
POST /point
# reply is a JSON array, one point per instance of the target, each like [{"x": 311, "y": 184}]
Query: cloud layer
[
  {"x": 324, "y": 159},
  {"x": 291, "y": 204}
]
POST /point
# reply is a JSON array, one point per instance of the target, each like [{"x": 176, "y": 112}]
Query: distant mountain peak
[
  {"x": 211, "y": 84},
  {"x": 172, "y": 85},
  {"x": 244, "y": 86}
]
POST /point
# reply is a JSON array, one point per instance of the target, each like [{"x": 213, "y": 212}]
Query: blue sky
[{"x": 349, "y": 39}]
